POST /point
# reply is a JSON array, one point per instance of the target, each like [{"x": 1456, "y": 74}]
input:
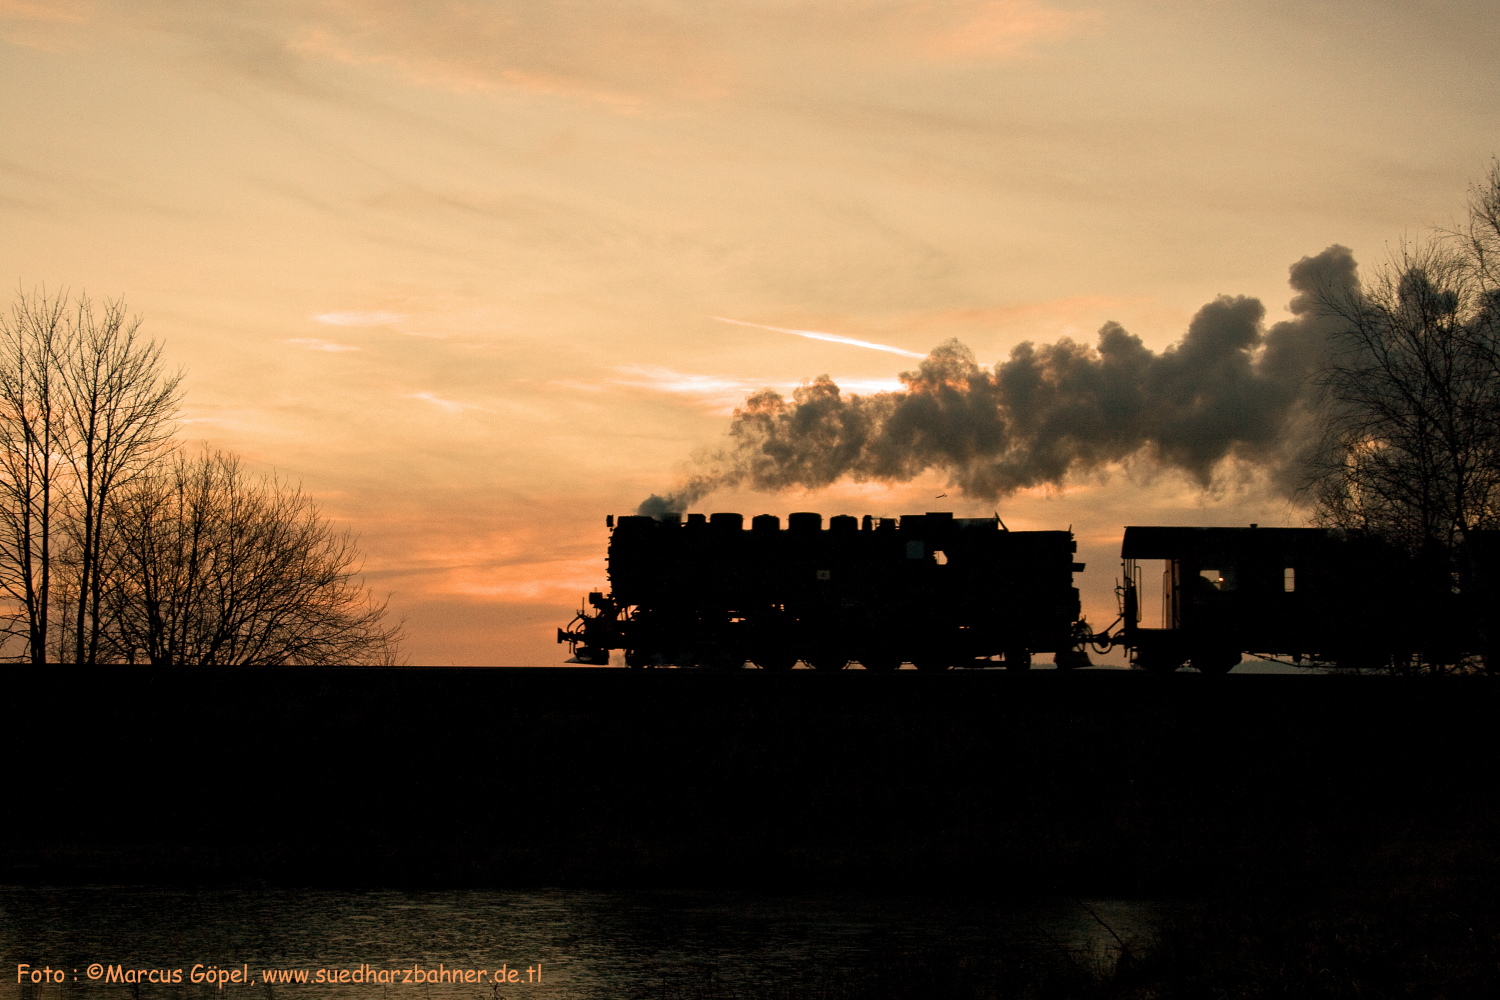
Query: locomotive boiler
[{"x": 928, "y": 589}]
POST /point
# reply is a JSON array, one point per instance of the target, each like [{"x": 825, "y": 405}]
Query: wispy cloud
[
  {"x": 446, "y": 405},
  {"x": 686, "y": 383},
  {"x": 668, "y": 380},
  {"x": 868, "y": 386},
  {"x": 721, "y": 394},
  {"x": 833, "y": 338},
  {"x": 999, "y": 28},
  {"x": 45, "y": 25},
  {"x": 314, "y": 344},
  {"x": 626, "y": 56},
  {"x": 359, "y": 318},
  {"x": 70, "y": 11}
]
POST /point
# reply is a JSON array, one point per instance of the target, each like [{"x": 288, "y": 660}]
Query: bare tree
[
  {"x": 1412, "y": 438},
  {"x": 118, "y": 406},
  {"x": 33, "y": 435},
  {"x": 111, "y": 545},
  {"x": 1411, "y": 409},
  {"x": 220, "y": 567},
  {"x": 1481, "y": 238},
  {"x": 84, "y": 407}
]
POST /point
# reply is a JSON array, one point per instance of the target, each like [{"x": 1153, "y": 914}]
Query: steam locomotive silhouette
[{"x": 938, "y": 592}]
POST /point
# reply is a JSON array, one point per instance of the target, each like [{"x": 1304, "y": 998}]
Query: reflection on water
[{"x": 587, "y": 944}]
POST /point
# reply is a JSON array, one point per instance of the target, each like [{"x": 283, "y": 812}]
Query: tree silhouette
[
  {"x": 219, "y": 567},
  {"x": 1410, "y": 450},
  {"x": 1411, "y": 443},
  {"x": 84, "y": 408},
  {"x": 113, "y": 545}
]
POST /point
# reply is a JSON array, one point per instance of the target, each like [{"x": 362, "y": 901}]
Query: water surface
[{"x": 581, "y": 944}]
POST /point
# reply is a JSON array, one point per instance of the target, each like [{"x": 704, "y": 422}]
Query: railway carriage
[{"x": 1204, "y": 596}]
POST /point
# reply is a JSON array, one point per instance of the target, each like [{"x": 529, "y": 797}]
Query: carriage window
[
  {"x": 1214, "y": 577},
  {"x": 1289, "y": 579},
  {"x": 1151, "y": 579},
  {"x": 940, "y": 557}
]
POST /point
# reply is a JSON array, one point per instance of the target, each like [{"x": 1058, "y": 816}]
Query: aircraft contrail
[{"x": 831, "y": 337}]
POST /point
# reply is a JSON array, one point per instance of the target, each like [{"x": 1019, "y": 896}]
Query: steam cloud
[{"x": 1229, "y": 388}]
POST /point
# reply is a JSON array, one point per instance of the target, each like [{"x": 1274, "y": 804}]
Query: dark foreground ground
[
  {"x": 1314, "y": 835},
  {"x": 1095, "y": 782}
]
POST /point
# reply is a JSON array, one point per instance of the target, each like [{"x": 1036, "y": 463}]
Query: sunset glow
[{"x": 480, "y": 274}]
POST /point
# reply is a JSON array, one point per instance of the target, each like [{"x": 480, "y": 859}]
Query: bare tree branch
[
  {"x": 33, "y": 436},
  {"x": 1411, "y": 403},
  {"x": 112, "y": 545},
  {"x": 219, "y": 567},
  {"x": 118, "y": 404}
]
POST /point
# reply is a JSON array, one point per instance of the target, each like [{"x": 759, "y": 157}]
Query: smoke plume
[{"x": 1229, "y": 389}]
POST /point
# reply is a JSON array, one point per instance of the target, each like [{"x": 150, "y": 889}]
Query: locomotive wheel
[
  {"x": 638, "y": 659},
  {"x": 1156, "y": 663},
  {"x": 1360, "y": 659},
  {"x": 827, "y": 661},
  {"x": 881, "y": 664},
  {"x": 1218, "y": 662},
  {"x": 774, "y": 661},
  {"x": 1018, "y": 659},
  {"x": 1071, "y": 659}
]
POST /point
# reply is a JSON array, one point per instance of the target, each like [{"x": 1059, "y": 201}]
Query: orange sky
[{"x": 454, "y": 265}]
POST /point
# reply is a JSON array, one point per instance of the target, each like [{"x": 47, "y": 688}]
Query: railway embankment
[{"x": 1090, "y": 782}]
